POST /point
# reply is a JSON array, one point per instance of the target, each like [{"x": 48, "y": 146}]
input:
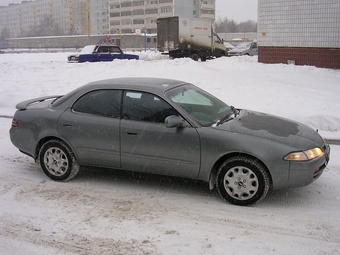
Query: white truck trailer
[{"x": 189, "y": 37}]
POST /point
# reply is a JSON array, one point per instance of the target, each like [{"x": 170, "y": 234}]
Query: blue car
[{"x": 102, "y": 52}]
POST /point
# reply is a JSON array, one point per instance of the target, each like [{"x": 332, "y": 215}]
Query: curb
[
  {"x": 6, "y": 116},
  {"x": 333, "y": 141}
]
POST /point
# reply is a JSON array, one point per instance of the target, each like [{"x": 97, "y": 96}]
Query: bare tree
[{"x": 230, "y": 26}]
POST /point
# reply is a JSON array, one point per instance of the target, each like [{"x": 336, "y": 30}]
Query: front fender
[{"x": 217, "y": 145}]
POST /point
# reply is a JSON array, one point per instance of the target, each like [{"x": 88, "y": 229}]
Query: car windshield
[
  {"x": 88, "y": 49},
  {"x": 206, "y": 109},
  {"x": 243, "y": 45}
]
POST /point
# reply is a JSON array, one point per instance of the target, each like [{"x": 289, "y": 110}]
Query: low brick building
[{"x": 302, "y": 32}]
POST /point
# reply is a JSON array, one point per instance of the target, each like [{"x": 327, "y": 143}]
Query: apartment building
[
  {"x": 99, "y": 17},
  {"x": 129, "y": 16},
  {"x": 303, "y": 32},
  {"x": 81, "y": 17},
  {"x": 27, "y": 18}
]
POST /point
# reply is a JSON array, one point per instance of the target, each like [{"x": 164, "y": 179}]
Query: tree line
[
  {"x": 46, "y": 27},
  {"x": 230, "y": 26}
]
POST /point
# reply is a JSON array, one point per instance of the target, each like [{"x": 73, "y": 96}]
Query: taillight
[{"x": 15, "y": 123}]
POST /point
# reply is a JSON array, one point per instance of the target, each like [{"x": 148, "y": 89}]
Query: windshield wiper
[
  {"x": 228, "y": 117},
  {"x": 235, "y": 111}
]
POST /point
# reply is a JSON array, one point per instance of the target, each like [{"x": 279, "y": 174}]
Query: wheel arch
[
  {"x": 219, "y": 162},
  {"x": 43, "y": 140}
]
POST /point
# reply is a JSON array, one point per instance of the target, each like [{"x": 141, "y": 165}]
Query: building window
[
  {"x": 129, "y": 13},
  {"x": 138, "y": 21},
  {"x": 126, "y": 4},
  {"x": 114, "y": 6},
  {"x": 114, "y": 14},
  {"x": 126, "y": 22},
  {"x": 115, "y": 23},
  {"x": 151, "y": 11},
  {"x": 138, "y": 3},
  {"x": 166, "y": 10},
  {"x": 212, "y": 12},
  {"x": 138, "y": 12}
]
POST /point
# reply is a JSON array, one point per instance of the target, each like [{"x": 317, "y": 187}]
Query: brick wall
[{"x": 312, "y": 56}]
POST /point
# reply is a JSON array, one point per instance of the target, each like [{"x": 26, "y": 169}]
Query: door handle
[{"x": 131, "y": 132}]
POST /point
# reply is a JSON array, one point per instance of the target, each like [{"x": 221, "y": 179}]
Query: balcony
[
  {"x": 166, "y": 3},
  {"x": 207, "y": 16},
  {"x": 207, "y": 6},
  {"x": 128, "y": 8}
]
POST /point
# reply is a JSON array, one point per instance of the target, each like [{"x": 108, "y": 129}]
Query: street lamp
[
  {"x": 88, "y": 21},
  {"x": 144, "y": 29}
]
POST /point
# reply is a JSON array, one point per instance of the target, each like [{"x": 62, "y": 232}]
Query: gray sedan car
[
  {"x": 172, "y": 128},
  {"x": 244, "y": 48}
]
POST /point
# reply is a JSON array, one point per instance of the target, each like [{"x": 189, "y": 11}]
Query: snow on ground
[{"x": 113, "y": 212}]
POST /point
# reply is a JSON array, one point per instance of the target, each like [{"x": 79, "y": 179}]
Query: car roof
[
  {"x": 106, "y": 44},
  {"x": 153, "y": 85},
  {"x": 156, "y": 86}
]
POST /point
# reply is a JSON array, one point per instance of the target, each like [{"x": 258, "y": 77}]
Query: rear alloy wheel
[
  {"x": 242, "y": 181},
  {"x": 58, "y": 161}
]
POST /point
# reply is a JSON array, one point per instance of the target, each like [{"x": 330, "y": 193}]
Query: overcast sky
[{"x": 238, "y": 10}]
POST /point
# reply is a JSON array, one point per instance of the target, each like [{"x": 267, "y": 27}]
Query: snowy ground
[{"x": 112, "y": 212}]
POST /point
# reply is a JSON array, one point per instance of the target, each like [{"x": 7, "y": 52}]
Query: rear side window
[{"x": 104, "y": 103}]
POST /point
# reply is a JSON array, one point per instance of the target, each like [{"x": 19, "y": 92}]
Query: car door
[
  {"x": 253, "y": 49},
  {"x": 92, "y": 128},
  {"x": 116, "y": 53},
  {"x": 104, "y": 54},
  {"x": 147, "y": 145}
]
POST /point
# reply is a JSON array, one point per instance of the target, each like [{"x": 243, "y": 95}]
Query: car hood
[
  {"x": 237, "y": 50},
  {"x": 274, "y": 128}
]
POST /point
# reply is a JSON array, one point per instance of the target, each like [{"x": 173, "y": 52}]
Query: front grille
[
  {"x": 319, "y": 172},
  {"x": 324, "y": 148}
]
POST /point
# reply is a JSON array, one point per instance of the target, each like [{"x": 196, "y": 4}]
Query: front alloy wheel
[{"x": 242, "y": 181}]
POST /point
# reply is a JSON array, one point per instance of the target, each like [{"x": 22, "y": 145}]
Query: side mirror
[{"x": 173, "y": 121}]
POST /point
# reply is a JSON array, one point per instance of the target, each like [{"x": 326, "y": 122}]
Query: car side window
[
  {"x": 103, "y": 49},
  {"x": 106, "y": 103},
  {"x": 143, "y": 106},
  {"x": 115, "y": 49}
]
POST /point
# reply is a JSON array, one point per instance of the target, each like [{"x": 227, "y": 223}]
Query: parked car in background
[
  {"x": 102, "y": 52},
  {"x": 244, "y": 48},
  {"x": 229, "y": 46},
  {"x": 172, "y": 128}
]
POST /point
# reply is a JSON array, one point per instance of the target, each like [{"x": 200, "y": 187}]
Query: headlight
[{"x": 304, "y": 155}]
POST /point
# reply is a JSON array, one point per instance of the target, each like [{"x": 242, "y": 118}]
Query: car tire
[
  {"x": 203, "y": 58},
  {"x": 58, "y": 161},
  {"x": 242, "y": 181},
  {"x": 195, "y": 57}
]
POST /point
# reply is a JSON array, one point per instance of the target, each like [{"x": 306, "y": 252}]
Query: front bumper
[
  {"x": 303, "y": 173},
  {"x": 73, "y": 59}
]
